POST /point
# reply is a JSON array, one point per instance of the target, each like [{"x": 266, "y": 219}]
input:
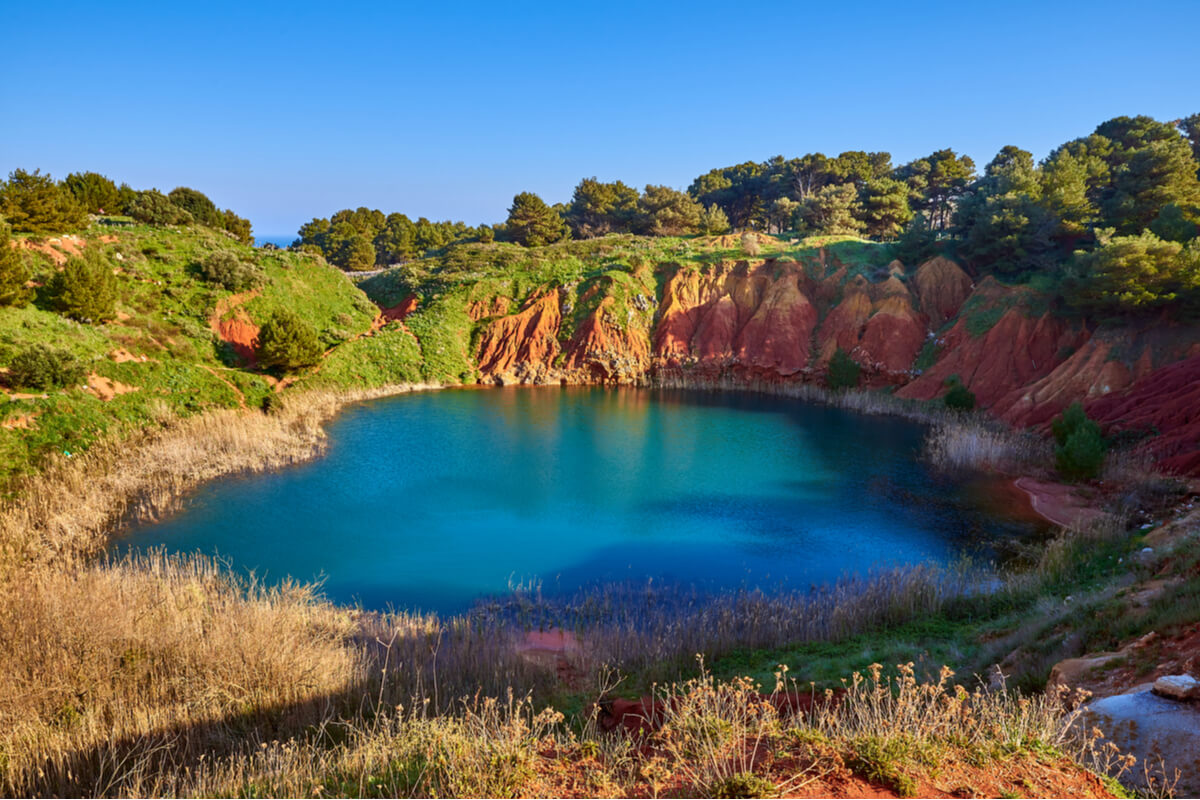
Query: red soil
[{"x": 1167, "y": 401}]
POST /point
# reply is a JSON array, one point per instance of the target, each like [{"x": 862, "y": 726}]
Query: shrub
[
  {"x": 750, "y": 243},
  {"x": 14, "y": 273},
  {"x": 1081, "y": 447},
  {"x": 843, "y": 371},
  {"x": 154, "y": 208},
  {"x": 224, "y": 268},
  {"x": 86, "y": 289},
  {"x": 34, "y": 203},
  {"x": 959, "y": 397},
  {"x": 287, "y": 342},
  {"x": 43, "y": 367},
  {"x": 1082, "y": 456}
]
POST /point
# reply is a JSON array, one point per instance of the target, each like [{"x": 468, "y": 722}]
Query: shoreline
[{"x": 74, "y": 508}]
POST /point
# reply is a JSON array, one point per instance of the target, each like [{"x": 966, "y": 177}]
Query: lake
[{"x": 434, "y": 500}]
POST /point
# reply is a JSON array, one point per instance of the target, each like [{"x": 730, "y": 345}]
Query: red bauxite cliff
[{"x": 780, "y": 321}]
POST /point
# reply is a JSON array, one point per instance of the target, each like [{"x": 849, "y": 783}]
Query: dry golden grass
[
  {"x": 69, "y": 509},
  {"x": 156, "y": 675}
]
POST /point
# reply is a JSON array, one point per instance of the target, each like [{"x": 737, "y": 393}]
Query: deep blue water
[{"x": 432, "y": 500}]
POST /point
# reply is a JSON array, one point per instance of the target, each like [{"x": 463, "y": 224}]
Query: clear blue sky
[{"x": 285, "y": 111}]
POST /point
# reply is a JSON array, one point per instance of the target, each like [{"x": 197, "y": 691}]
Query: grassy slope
[
  {"x": 164, "y": 309},
  {"x": 165, "y": 313}
]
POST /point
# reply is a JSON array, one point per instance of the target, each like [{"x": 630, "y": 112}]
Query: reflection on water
[{"x": 433, "y": 500}]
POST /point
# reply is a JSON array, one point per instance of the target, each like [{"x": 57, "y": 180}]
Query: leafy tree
[
  {"x": 366, "y": 221},
  {"x": 884, "y": 207},
  {"x": 831, "y": 210},
  {"x": 663, "y": 211},
  {"x": 288, "y": 343},
  {"x": 86, "y": 288},
  {"x": 1150, "y": 165},
  {"x": 859, "y": 168},
  {"x": 713, "y": 221},
  {"x": 917, "y": 244},
  {"x": 1191, "y": 129},
  {"x": 781, "y": 216},
  {"x": 1135, "y": 273},
  {"x": 742, "y": 191},
  {"x": 486, "y": 234},
  {"x": 224, "y": 268},
  {"x": 347, "y": 247},
  {"x": 94, "y": 192},
  {"x": 1081, "y": 447},
  {"x": 935, "y": 183},
  {"x": 1011, "y": 236},
  {"x": 238, "y": 226},
  {"x": 33, "y": 203},
  {"x": 396, "y": 241},
  {"x": 41, "y": 366},
  {"x": 1177, "y": 223},
  {"x": 843, "y": 371},
  {"x": 598, "y": 208},
  {"x": 1069, "y": 177},
  {"x": 532, "y": 223},
  {"x": 14, "y": 272},
  {"x": 203, "y": 210},
  {"x": 155, "y": 208}
]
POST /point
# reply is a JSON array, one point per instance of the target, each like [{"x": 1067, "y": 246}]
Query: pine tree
[
  {"x": 34, "y": 203},
  {"x": 533, "y": 223},
  {"x": 86, "y": 289},
  {"x": 14, "y": 272},
  {"x": 287, "y": 342},
  {"x": 713, "y": 221}
]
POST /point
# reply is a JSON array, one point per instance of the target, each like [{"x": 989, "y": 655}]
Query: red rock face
[
  {"x": 1090, "y": 372},
  {"x": 894, "y": 335},
  {"x": 941, "y": 288},
  {"x": 401, "y": 310},
  {"x": 778, "y": 337},
  {"x": 1166, "y": 400},
  {"x": 770, "y": 320},
  {"x": 522, "y": 347},
  {"x": 1016, "y": 351},
  {"x": 602, "y": 350}
]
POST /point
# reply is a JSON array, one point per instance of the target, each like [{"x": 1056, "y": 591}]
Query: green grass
[{"x": 163, "y": 314}]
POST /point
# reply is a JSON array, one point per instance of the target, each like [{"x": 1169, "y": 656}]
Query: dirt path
[{"x": 241, "y": 398}]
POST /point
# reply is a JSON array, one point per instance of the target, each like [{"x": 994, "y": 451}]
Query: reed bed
[
  {"x": 157, "y": 675},
  {"x": 69, "y": 509}
]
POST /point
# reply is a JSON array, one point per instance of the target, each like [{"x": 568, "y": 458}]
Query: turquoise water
[{"x": 433, "y": 500}]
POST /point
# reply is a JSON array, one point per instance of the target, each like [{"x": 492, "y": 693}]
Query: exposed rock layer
[{"x": 782, "y": 321}]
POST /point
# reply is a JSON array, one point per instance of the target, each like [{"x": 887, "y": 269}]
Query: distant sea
[{"x": 279, "y": 240}]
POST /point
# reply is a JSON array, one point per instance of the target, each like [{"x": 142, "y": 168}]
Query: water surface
[{"x": 433, "y": 500}]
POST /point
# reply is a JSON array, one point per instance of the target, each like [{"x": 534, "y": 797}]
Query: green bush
[
  {"x": 14, "y": 273},
  {"x": 34, "y": 203},
  {"x": 1081, "y": 446},
  {"x": 155, "y": 208},
  {"x": 43, "y": 367},
  {"x": 86, "y": 289},
  {"x": 843, "y": 371},
  {"x": 224, "y": 268},
  {"x": 287, "y": 342},
  {"x": 959, "y": 397}
]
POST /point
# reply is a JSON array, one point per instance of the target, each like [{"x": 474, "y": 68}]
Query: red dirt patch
[
  {"x": 234, "y": 326},
  {"x": 106, "y": 388},
  {"x": 1057, "y": 503}
]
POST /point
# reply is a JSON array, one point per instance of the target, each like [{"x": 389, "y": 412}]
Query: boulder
[
  {"x": 1164, "y": 736},
  {"x": 1177, "y": 687}
]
